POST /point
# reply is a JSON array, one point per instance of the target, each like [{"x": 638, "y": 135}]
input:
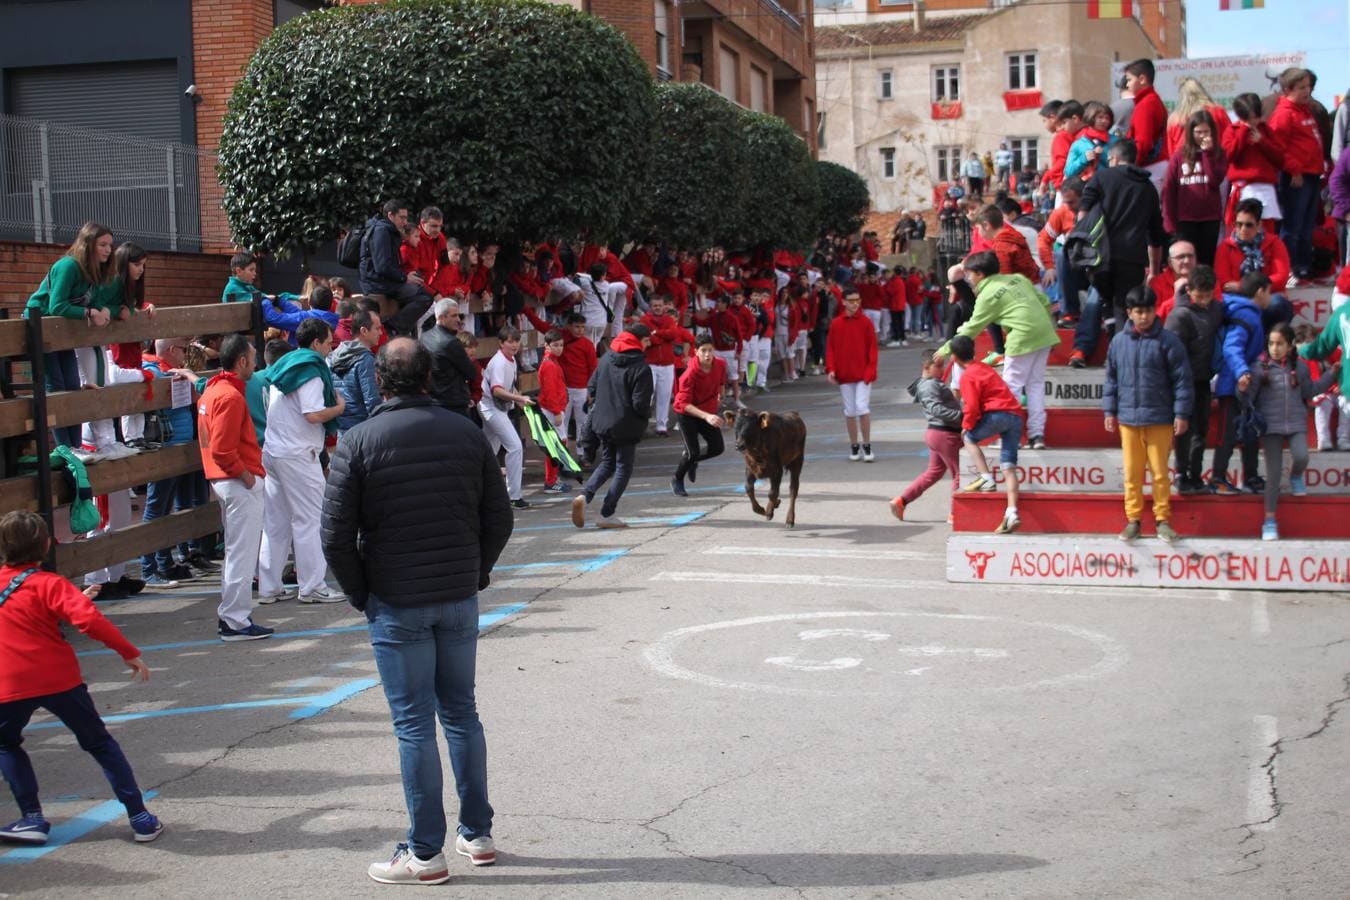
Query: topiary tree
[
  {"x": 781, "y": 200},
  {"x": 515, "y": 117},
  {"x": 844, "y": 198},
  {"x": 696, "y": 181}
]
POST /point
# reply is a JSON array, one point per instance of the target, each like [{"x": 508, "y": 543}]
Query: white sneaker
[
  {"x": 480, "y": 851},
  {"x": 854, "y": 453},
  {"x": 868, "y": 455},
  {"x": 122, "y": 451},
  {"x": 611, "y": 522},
  {"x": 269, "y": 599},
  {"x": 406, "y": 868},
  {"x": 324, "y": 594},
  {"x": 904, "y": 343},
  {"x": 85, "y": 456}
]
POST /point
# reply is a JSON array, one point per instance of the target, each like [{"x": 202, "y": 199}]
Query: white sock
[{"x": 1012, "y": 511}]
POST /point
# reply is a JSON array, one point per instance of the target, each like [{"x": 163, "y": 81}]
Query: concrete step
[
  {"x": 1074, "y": 560},
  {"x": 1100, "y": 471},
  {"x": 1320, "y": 517}
]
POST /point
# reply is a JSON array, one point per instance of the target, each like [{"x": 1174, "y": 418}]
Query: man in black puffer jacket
[
  {"x": 621, "y": 391},
  {"x": 414, "y": 517},
  {"x": 451, "y": 369}
]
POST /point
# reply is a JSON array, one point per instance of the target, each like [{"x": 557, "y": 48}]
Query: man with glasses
[
  {"x": 451, "y": 369},
  {"x": 1250, "y": 248},
  {"x": 1170, "y": 282}
]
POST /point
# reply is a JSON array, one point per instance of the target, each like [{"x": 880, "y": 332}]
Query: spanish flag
[
  {"x": 1121, "y": 9},
  {"x": 1226, "y": 5}
]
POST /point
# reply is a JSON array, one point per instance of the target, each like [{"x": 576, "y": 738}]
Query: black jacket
[
  {"x": 621, "y": 390},
  {"x": 415, "y": 511},
  {"x": 1130, "y": 209},
  {"x": 381, "y": 272},
  {"x": 451, "y": 369},
  {"x": 1199, "y": 330}
]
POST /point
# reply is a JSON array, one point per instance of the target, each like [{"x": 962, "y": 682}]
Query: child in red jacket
[
  {"x": 989, "y": 408},
  {"x": 553, "y": 400},
  {"x": 851, "y": 351},
  {"x": 38, "y": 670}
]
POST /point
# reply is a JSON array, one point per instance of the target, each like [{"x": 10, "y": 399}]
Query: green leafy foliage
[
  {"x": 844, "y": 199},
  {"x": 516, "y": 117},
  {"x": 782, "y": 196},
  {"x": 697, "y": 178}
]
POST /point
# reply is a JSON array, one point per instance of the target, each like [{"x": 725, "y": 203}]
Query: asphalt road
[{"x": 710, "y": 705}]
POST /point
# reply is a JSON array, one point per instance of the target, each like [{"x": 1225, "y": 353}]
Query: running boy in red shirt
[
  {"x": 38, "y": 670},
  {"x": 989, "y": 408}
]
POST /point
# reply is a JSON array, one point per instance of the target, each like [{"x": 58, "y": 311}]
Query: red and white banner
[
  {"x": 1065, "y": 560},
  {"x": 1101, "y": 471}
]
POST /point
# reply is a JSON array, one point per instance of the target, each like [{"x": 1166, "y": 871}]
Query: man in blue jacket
[
  {"x": 1242, "y": 339},
  {"x": 381, "y": 270},
  {"x": 353, "y": 366},
  {"x": 286, "y": 315},
  {"x": 1147, "y": 398}
]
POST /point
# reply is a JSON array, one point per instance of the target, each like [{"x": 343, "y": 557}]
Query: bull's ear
[{"x": 764, "y": 419}]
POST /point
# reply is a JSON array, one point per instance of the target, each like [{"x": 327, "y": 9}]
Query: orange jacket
[{"x": 229, "y": 444}]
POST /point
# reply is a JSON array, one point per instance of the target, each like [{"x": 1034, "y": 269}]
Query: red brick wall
[{"x": 171, "y": 279}]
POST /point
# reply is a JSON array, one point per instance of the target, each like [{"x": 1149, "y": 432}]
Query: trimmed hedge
[
  {"x": 844, "y": 198},
  {"x": 782, "y": 196},
  {"x": 518, "y": 118}
]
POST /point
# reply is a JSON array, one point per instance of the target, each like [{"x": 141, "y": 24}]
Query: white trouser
[
  {"x": 874, "y": 316},
  {"x": 1026, "y": 371},
  {"x": 241, "y": 510},
  {"x": 763, "y": 358},
  {"x": 574, "y": 411},
  {"x": 663, "y": 380},
  {"x": 729, "y": 357},
  {"x": 119, "y": 516},
  {"x": 803, "y": 345},
  {"x": 618, "y": 302},
  {"x": 133, "y": 427},
  {"x": 501, "y": 433},
  {"x": 99, "y": 434},
  {"x": 857, "y": 397},
  {"x": 884, "y": 334},
  {"x": 957, "y": 369},
  {"x": 294, "y": 492},
  {"x": 596, "y": 333}
]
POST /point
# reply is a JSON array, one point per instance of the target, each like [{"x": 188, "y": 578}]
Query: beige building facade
[{"x": 905, "y": 98}]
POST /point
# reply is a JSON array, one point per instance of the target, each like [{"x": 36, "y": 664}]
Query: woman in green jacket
[{"x": 79, "y": 285}]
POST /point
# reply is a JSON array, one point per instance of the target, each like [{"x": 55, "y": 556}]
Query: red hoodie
[
  {"x": 725, "y": 327},
  {"x": 1014, "y": 256},
  {"x": 1296, "y": 127},
  {"x": 1274, "y": 262},
  {"x": 1252, "y": 161},
  {"x": 1059, "y": 155},
  {"x": 425, "y": 258},
  {"x": 35, "y": 657},
  {"x": 851, "y": 349},
  {"x": 552, "y": 387},
  {"x": 449, "y": 280},
  {"x": 984, "y": 390},
  {"x": 701, "y": 389},
  {"x": 1148, "y": 127},
  {"x": 666, "y": 333}
]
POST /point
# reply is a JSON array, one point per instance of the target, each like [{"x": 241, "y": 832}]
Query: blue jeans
[
  {"x": 1069, "y": 281},
  {"x": 1299, "y": 205},
  {"x": 1006, "y": 424},
  {"x": 75, "y": 709},
  {"x": 159, "y": 500},
  {"x": 426, "y": 657},
  {"x": 615, "y": 460},
  {"x": 63, "y": 374}
]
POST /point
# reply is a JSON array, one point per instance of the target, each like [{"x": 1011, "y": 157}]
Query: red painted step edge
[
  {"x": 1324, "y": 517},
  {"x": 1059, "y": 354},
  {"x": 1082, "y": 429}
]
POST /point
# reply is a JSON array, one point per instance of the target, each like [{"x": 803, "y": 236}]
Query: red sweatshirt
[
  {"x": 913, "y": 290},
  {"x": 984, "y": 390},
  {"x": 897, "y": 294},
  {"x": 1059, "y": 156},
  {"x": 1176, "y": 133},
  {"x": 701, "y": 389},
  {"x": 425, "y": 258},
  {"x": 1296, "y": 127},
  {"x": 666, "y": 333},
  {"x": 229, "y": 443},
  {"x": 746, "y": 319},
  {"x": 35, "y": 658},
  {"x": 1148, "y": 127},
  {"x": 449, "y": 280},
  {"x": 678, "y": 292},
  {"x": 871, "y": 295},
  {"x": 1253, "y": 161},
  {"x": 578, "y": 360},
  {"x": 1164, "y": 286},
  {"x": 725, "y": 327},
  {"x": 1014, "y": 256},
  {"x": 552, "y": 387},
  {"x": 1060, "y": 221},
  {"x": 1274, "y": 262},
  {"x": 851, "y": 350}
]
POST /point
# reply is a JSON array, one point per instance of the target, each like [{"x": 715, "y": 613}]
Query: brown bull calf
[{"x": 771, "y": 443}]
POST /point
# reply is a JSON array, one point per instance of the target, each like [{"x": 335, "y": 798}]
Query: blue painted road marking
[
  {"x": 71, "y": 830},
  {"x": 674, "y": 521},
  {"x": 589, "y": 564}
]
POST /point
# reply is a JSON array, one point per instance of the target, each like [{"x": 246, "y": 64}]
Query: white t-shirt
[
  {"x": 500, "y": 372},
  {"x": 289, "y": 433}
]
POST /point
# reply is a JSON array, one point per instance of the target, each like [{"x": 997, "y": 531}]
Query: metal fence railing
[{"x": 54, "y": 178}]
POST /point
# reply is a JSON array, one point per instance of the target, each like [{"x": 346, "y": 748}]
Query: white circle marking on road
[{"x": 661, "y": 655}]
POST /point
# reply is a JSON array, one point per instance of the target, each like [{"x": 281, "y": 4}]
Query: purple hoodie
[{"x": 1340, "y": 187}]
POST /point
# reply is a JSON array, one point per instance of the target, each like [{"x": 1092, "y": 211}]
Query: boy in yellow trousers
[{"x": 1147, "y": 398}]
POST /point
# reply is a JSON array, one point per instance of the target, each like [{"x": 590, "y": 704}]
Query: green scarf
[{"x": 299, "y": 366}]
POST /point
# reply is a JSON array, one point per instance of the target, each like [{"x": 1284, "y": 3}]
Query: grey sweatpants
[{"x": 1272, "y": 445}]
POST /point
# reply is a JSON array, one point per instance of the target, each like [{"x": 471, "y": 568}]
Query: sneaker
[
  {"x": 269, "y": 599},
  {"x": 520, "y": 504},
  {"x": 868, "y": 455},
  {"x": 31, "y": 829},
  {"x": 892, "y": 344},
  {"x": 1254, "y": 485},
  {"x": 904, "y": 343},
  {"x": 982, "y": 484},
  {"x": 741, "y": 405},
  {"x": 579, "y": 511},
  {"x": 1186, "y": 487},
  {"x": 763, "y": 388},
  {"x": 1223, "y": 488},
  {"x": 324, "y": 594},
  {"x": 480, "y": 851},
  {"x": 85, "y": 456},
  {"x": 1077, "y": 360},
  {"x": 1297, "y": 487},
  {"x": 132, "y": 586},
  {"x": 251, "y": 632},
  {"x": 1129, "y": 532},
  {"x": 156, "y": 581},
  {"x": 1167, "y": 534},
  {"x": 677, "y": 487},
  {"x": 180, "y": 572},
  {"x": 199, "y": 562},
  {"x": 854, "y": 452},
  {"x": 1010, "y": 523},
  {"x": 993, "y": 359},
  {"x": 1269, "y": 530},
  {"x": 898, "y": 508},
  {"x": 611, "y": 522},
  {"x": 557, "y": 487},
  {"x": 1036, "y": 443},
  {"x": 405, "y": 868},
  {"x": 145, "y": 827},
  {"x": 1066, "y": 321}
]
